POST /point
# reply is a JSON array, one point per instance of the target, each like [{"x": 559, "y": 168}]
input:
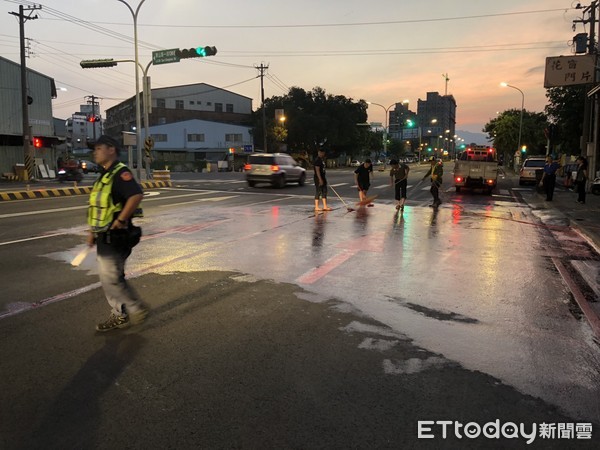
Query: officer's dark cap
[{"x": 109, "y": 142}]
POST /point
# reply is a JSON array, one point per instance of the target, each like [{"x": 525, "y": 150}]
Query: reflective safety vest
[{"x": 101, "y": 209}]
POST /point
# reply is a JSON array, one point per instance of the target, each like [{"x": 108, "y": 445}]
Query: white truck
[{"x": 476, "y": 168}]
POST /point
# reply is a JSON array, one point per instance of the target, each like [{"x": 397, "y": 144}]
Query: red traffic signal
[{"x": 37, "y": 142}]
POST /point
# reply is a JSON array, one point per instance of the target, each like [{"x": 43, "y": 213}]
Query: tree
[
  {"x": 504, "y": 132},
  {"x": 565, "y": 110},
  {"x": 315, "y": 119}
]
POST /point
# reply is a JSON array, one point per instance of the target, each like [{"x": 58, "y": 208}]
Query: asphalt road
[{"x": 273, "y": 327}]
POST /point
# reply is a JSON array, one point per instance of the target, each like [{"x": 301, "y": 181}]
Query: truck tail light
[
  {"x": 275, "y": 168},
  {"x": 247, "y": 166}
]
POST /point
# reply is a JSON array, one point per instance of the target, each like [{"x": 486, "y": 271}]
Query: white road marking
[
  {"x": 35, "y": 238},
  {"x": 339, "y": 184},
  {"x": 73, "y": 208},
  {"x": 212, "y": 199},
  {"x": 383, "y": 186}
]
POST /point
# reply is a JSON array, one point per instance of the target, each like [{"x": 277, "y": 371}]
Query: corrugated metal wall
[{"x": 9, "y": 156}]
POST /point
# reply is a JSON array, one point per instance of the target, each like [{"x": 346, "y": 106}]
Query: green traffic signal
[
  {"x": 410, "y": 123},
  {"x": 198, "y": 52}
]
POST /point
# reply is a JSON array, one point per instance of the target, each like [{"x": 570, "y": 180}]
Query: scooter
[{"x": 69, "y": 174}]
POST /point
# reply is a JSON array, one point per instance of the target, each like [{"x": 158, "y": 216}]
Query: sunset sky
[{"x": 383, "y": 51}]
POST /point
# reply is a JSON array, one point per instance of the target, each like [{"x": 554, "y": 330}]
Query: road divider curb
[{"x": 65, "y": 192}]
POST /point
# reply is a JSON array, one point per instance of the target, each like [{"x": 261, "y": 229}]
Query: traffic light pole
[{"x": 138, "y": 113}]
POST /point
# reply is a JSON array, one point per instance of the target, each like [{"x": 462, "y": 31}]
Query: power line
[
  {"x": 388, "y": 52},
  {"x": 348, "y": 24}
]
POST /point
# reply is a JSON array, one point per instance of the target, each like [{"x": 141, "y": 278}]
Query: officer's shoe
[
  {"x": 138, "y": 316},
  {"x": 113, "y": 322}
]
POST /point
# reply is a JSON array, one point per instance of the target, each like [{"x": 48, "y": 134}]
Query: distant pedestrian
[
  {"x": 362, "y": 178},
  {"x": 581, "y": 178},
  {"x": 320, "y": 181},
  {"x": 435, "y": 172},
  {"x": 114, "y": 199},
  {"x": 399, "y": 179},
  {"x": 548, "y": 180}
]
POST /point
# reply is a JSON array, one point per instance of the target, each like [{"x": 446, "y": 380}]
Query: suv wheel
[
  {"x": 280, "y": 182},
  {"x": 302, "y": 179},
  {"x": 251, "y": 183}
]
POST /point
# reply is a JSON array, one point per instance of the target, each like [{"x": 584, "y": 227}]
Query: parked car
[
  {"x": 88, "y": 166},
  {"x": 532, "y": 170},
  {"x": 277, "y": 169},
  {"x": 355, "y": 163}
]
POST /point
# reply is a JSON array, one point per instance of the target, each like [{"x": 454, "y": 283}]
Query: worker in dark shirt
[
  {"x": 435, "y": 172},
  {"x": 548, "y": 180},
  {"x": 320, "y": 181},
  {"x": 114, "y": 200},
  {"x": 362, "y": 178}
]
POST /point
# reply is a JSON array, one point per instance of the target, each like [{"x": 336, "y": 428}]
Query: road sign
[
  {"x": 248, "y": 148},
  {"x": 569, "y": 70},
  {"x": 165, "y": 56}
]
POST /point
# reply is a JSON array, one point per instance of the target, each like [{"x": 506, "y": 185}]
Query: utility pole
[
  {"x": 591, "y": 124},
  {"x": 262, "y": 69},
  {"x": 27, "y": 149}
]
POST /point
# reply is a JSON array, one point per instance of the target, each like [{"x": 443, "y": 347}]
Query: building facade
[
  {"x": 41, "y": 91},
  {"x": 83, "y": 127},
  {"x": 437, "y": 121},
  {"x": 194, "y": 140},
  {"x": 181, "y": 103}
]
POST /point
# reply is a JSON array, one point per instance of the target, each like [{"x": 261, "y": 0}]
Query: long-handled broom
[{"x": 342, "y": 200}]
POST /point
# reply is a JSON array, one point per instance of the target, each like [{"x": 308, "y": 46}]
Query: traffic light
[
  {"x": 523, "y": 149},
  {"x": 37, "y": 142},
  {"x": 94, "y": 63},
  {"x": 410, "y": 123},
  {"x": 198, "y": 52}
]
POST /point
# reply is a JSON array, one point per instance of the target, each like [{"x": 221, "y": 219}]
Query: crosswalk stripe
[{"x": 339, "y": 184}]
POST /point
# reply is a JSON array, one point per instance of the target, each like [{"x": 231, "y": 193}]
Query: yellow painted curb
[{"x": 65, "y": 192}]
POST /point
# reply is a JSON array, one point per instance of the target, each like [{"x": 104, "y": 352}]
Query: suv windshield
[
  {"x": 258, "y": 160},
  {"x": 535, "y": 163}
]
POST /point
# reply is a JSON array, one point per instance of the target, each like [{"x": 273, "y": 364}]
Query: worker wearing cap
[
  {"x": 435, "y": 172},
  {"x": 114, "y": 200}
]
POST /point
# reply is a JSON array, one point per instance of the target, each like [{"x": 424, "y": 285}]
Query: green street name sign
[{"x": 165, "y": 56}]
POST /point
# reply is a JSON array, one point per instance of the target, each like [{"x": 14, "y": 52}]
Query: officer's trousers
[{"x": 121, "y": 297}]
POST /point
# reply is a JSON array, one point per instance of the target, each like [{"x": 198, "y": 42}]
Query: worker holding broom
[
  {"x": 320, "y": 181},
  {"x": 399, "y": 179},
  {"x": 435, "y": 172},
  {"x": 362, "y": 178}
]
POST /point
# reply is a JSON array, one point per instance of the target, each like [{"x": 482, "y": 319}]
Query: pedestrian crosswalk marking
[{"x": 339, "y": 184}]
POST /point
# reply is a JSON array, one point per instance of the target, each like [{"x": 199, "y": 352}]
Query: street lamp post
[
  {"x": 522, "y": 108},
  {"x": 138, "y": 113},
  {"x": 385, "y": 129}
]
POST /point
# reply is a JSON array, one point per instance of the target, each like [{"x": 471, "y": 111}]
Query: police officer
[
  {"x": 435, "y": 172},
  {"x": 114, "y": 200}
]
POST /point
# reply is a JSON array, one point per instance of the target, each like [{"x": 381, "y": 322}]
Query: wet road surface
[{"x": 465, "y": 295}]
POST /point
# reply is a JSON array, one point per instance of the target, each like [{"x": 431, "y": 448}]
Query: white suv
[
  {"x": 277, "y": 169},
  {"x": 531, "y": 171}
]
